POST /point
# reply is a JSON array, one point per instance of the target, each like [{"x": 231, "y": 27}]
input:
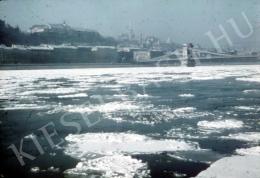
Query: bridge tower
[{"x": 187, "y": 56}]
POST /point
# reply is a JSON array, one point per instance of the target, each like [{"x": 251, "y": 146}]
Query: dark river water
[{"x": 126, "y": 122}]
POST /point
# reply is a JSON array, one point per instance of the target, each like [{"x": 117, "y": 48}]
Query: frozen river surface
[{"x": 128, "y": 122}]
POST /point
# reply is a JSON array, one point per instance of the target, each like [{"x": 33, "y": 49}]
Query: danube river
[{"x": 127, "y": 122}]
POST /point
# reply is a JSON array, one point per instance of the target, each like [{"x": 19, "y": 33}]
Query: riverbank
[
  {"x": 102, "y": 65},
  {"x": 66, "y": 66}
]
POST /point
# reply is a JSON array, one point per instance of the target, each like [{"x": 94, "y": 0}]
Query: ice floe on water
[
  {"x": 113, "y": 152},
  {"x": 35, "y": 170},
  {"x": 53, "y": 91},
  {"x": 186, "y": 95},
  {"x": 110, "y": 143},
  {"x": 246, "y": 136},
  {"x": 118, "y": 96},
  {"x": 105, "y": 107},
  {"x": 78, "y": 95},
  {"x": 182, "y": 133},
  {"x": 30, "y": 136},
  {"x": 142, "y": 95},
  {"x": 247, "y": 108},
  {"x": 249, "y": 79},
  {"x": 220, "y": 124},
  {"x": 25, "y": 107},
  {"x": 233, "y": 167},
  {"x": 118, "y": 166},
  {"x": 251, "y": 91},
  {"x": 134, "y": 96},
  {"x": 184, "y": 110},
  {"x": 166, "y": 113},
  {"x": 249, "y": 151}
]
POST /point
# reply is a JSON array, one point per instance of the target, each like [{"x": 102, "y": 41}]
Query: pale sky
[{"x": 181, "y": 20}]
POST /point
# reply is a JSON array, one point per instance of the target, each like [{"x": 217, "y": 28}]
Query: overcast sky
[{"x": 180, "y": 20}]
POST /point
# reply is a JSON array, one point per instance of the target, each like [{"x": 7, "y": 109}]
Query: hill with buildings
[{"x": 55, "y": 34}]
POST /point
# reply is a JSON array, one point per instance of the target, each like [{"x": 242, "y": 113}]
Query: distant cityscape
[{"x": 61, "y": 43}]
